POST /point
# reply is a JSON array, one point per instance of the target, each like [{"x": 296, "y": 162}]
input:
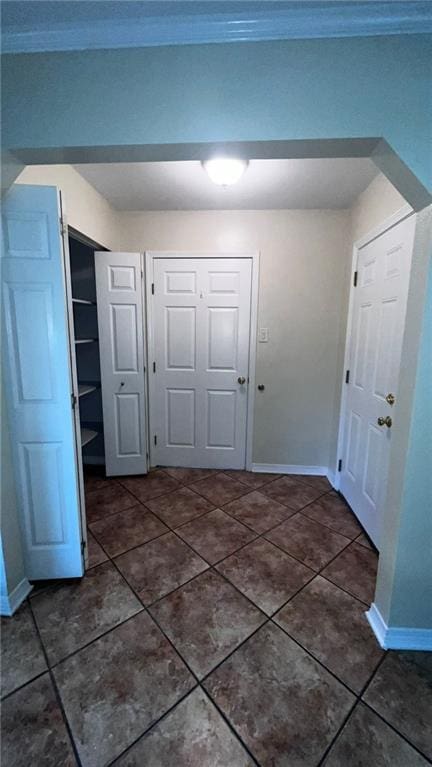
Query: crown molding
[{"x": 298, "y": 20}]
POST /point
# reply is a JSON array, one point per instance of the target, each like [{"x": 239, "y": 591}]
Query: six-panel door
[
  {"x": 201, "y": 326},
  {"x": 119, "y": 288},
  {"x": 37, "y": 365},
  {"x": 376, "y": 341}
]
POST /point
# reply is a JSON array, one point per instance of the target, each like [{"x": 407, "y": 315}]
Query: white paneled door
[
  {"x": 378, "y": 320},
  {"x": 119, "y": 286},
  {"x": 201, "y": 329},
  {"x": 39, "y": 387}
]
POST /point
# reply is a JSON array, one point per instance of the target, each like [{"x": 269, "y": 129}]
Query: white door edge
[
  {"x": 74, "y": 379},
  {"x": 396, "y": 218},
  {"x": 150, "y": 256}
]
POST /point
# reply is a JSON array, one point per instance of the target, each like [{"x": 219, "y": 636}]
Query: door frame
[
  {"x": 400, "y": 215},
  {"x": 254, "y": 256}
]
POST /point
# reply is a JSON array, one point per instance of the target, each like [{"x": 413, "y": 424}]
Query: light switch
[{"x": 263, "y": 335}]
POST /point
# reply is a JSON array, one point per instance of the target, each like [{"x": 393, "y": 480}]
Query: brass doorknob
[
  {"x": 391, "y": 399},
  {"x": 241, "y": 380},
  {"x": 387, "y": 421}
]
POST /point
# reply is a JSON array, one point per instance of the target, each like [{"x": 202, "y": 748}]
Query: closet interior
[{"x": 83, "y": 281}]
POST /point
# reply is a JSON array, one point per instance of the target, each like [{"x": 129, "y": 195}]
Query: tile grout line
[
  {"x": 392, "y": 727},
  {"x": 268, "y": 619},
  {"x": 56, "y": 691},
  {"x": 211, "y": 567},
  {"x": 177, "y": 652}
]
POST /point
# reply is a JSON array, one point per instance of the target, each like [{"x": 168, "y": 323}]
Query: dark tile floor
[{"x": 220, "y": 624}]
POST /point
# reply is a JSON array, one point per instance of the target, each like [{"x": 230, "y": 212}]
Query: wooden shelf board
[
  {"x": 87, "y": 435},
  {"x": 83, "y": 301},
  {"x": 84, "y": 389}
]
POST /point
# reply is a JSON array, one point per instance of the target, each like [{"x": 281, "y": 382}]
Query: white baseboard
[
  {"x": 283, "y": 468},
  {"x": 398, "y": 638},
  {"x": 9, "y": 603}
]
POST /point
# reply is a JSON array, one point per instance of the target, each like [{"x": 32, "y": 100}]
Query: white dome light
[{"x": 225, "y": 170}]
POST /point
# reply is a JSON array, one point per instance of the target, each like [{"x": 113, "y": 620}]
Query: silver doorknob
[
  {"x": 241, "y": 380},
  {"x": 387, "y": 421}
]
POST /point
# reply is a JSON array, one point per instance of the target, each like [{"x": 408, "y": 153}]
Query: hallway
[{"x": 221, "y": 623}]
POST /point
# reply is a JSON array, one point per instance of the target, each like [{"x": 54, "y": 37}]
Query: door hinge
[
  {"x": 340, "y": 464},
  {"x": 83, "y": 547},
  {"x": 63, "y": 227},
  {"x": 347, "y": 374},
  {"x": 155, "y": 439},
  {"x": 152, "y": 288},
  {"x": 73, "y": 401},
  {"x": 154, "y": 367},
  {"x": 355, "y": 279}
]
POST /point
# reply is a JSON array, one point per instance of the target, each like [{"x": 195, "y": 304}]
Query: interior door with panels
[
  {"x": 201, "y": 329},
  {"x": 119, "y": 286},
  {"x": 380, "y": 298},
  {"x": 39, "y": 387}
]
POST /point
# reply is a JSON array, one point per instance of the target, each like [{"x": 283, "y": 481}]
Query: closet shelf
[
  {"x": 85, "y": 389},
  {"x": 87, "y": 435},
  {"x": 83, "y": 301},
  {"x": 85, "y": 340}
]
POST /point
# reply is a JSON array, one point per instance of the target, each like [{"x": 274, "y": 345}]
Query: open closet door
[
  {"x": 37, "y": 368},
  {"x": 119, "y": 287}
]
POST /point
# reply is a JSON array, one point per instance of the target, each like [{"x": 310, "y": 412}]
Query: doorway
[{"x": 202, "y": 334}]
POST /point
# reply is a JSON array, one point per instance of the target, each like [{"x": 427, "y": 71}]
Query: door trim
[
  {"x": 150, "y": 256},
  {"x": 396, "y": 218}
]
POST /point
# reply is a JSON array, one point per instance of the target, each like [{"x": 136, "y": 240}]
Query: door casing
[{"x": 150, "y": 257}]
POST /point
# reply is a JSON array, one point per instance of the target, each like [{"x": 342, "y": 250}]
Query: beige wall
[
  {"x": 379, "y": 201},
  {"x": 302, "y": 298},
  {"x": 86, "y": 210}
]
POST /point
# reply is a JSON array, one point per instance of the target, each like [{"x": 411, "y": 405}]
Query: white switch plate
[{"x": 263, "y": 335}]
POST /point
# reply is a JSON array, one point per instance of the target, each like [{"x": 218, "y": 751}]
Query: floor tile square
[
  {"x": 150, "y": 485},
  {"x": 311, "y": 543},
  {"x": 205, "y": 620},
  {"x": 187, "y": 476},
  {"x": 355, "y": 571},
  {"x": 33, "y": 730},
  {"x": 285, "y": 706},
  {"x": 401, "y": 691},
  {"x": 120, "y": 532},
  {"x": 291, "y": 492},
  {"x": 22, "y": 656},
  {"x": 72, "y": 614},
  {"x": 193, "y": 735},
  {"x": 215, "y": 535},
  {"x": 314, "y": 480},
  {"x": 265, "y": 574},
  {"x": 367, "y": 740},
  {"x": 257, "y": 511},
  {"x": 96, "y": 479},
  {"x": 160, "y": 566},
  {"x": 363, "y": 540},
  {"x": 253, "y": 479},
  {"x": 96, "y": 554},
  {"x": 107, "y": 500},
  {"x": 117, "y": 687},
  {"x": 220, "y": 489},
  {"x": 179, "y": 507},
  {"x": 333, "y": 626},
  {"x": 332, "y": 511}
]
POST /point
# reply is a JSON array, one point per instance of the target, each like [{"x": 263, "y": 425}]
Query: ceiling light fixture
[{"x": 225, "y": 171}]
